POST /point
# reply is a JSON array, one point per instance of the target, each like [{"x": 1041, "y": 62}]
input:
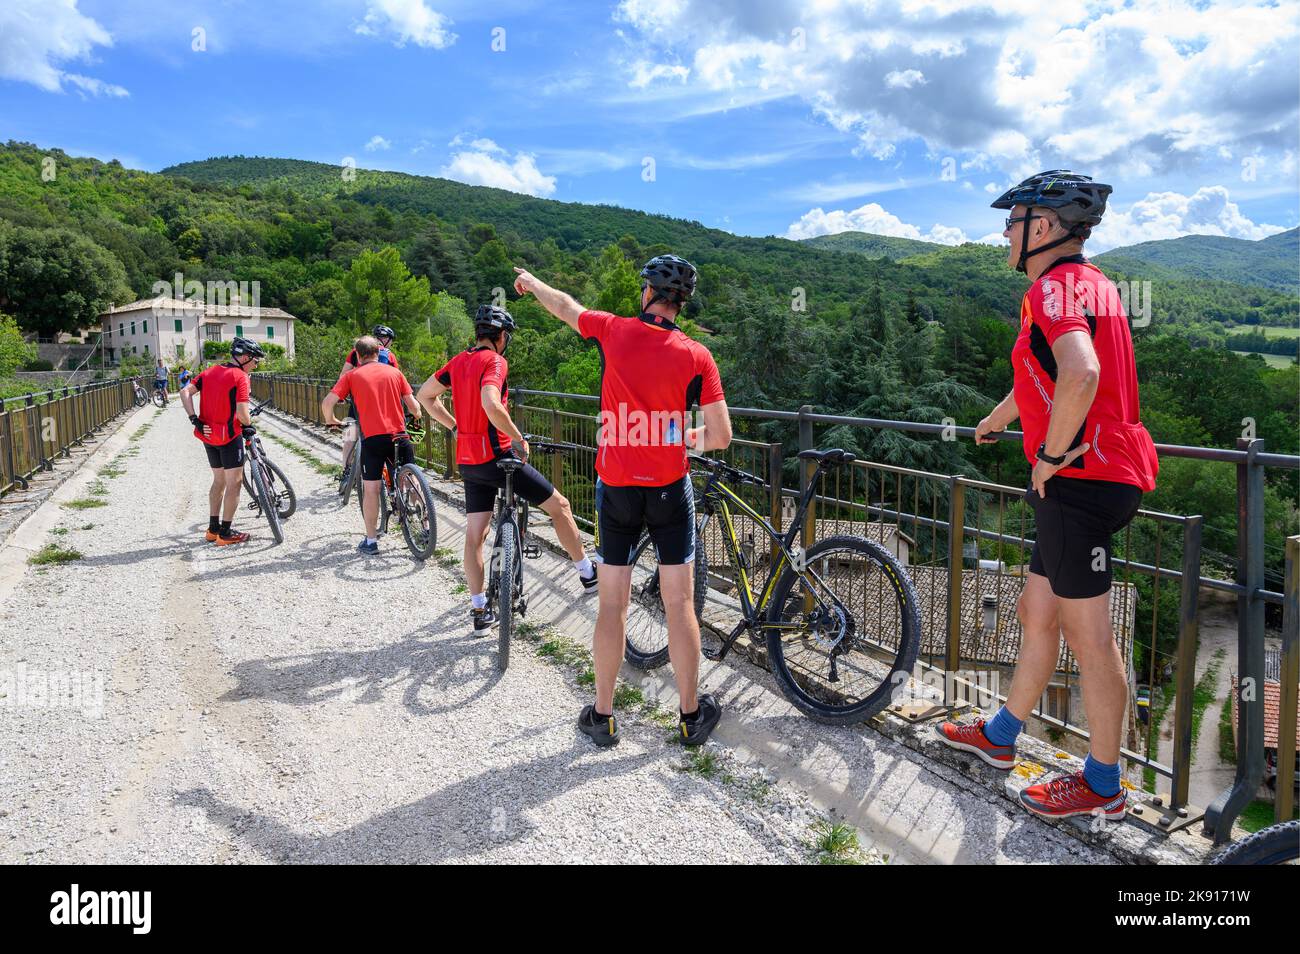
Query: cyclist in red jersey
[
  {"x": 223, "y": 401},
  {"x": 385, "y": 336},
  {"x": 651, "y": 375},
  {"x": 379, "y": 391},
  {"x": 485, "y": 433},
  {"x": 1075, "y": 393}
]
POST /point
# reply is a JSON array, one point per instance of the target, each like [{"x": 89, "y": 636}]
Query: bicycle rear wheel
[
  {"x": 646, "y": 646},
  {"x": 286, "y": 501},
  {"x": 159, "y": 398},
  {"x": 350, "y": 479},
  {"x": 381, "y": 515},
  {"x": 505, "y": 554},
  {"x": 853, "y": 630},
  {"x": 1275, "y": 845},
  {"x": 416, "y": 513},
  {"x": 265, "y": 499}
]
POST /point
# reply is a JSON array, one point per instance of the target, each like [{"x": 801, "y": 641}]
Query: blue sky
[{"x": 901, "y": 117}]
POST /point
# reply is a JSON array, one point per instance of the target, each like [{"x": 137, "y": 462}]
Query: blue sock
[
  {"x": 1101, "y": 778},
  {"x": 1003, "y": 728}
]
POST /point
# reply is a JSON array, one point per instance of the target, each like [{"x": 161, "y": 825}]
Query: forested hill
[
  {"x": 873, "y": 246},
  {"x": 1272, "y": 262},
  {"x": 935, "y": 279}
]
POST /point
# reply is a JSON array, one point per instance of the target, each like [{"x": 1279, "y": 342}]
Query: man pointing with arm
[{"x": 651, "y": 375}]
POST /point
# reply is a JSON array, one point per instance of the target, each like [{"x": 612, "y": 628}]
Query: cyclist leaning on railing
[
  {"x": 651, "y": 375},
  {"x": 485, "y": 433},
  {"x": 380, "y": 391},
  {"x": 223, "y": 400},
  {"x": 1076, "y": 395}
]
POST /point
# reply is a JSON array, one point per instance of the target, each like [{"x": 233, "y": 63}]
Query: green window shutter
[
  {"x": 270, "y": 331},
  {"x": 239, "y": 331},
  {"x": 146, "y": 326},
  {"x": 133, "y": 327},
  {"x": 178, "y": 325}
]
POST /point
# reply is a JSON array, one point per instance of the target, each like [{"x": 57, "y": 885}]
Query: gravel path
[
  {"x": 254, "y": 710},
  {"x": 304, "y": 703}
]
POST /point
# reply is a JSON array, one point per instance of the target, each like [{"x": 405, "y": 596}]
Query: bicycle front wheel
[
  {"x": 265, "y": 498},
  {"x": 504, "y": 557},
  {"x": 159, "y": 398},
  {"x": 350, "y": 479},
  {"x": 415, "y": 511},
  {"x": 843, "y": 632},
  {"x": 1275, "y": 845},
  {"x": 286, "y": 501}
]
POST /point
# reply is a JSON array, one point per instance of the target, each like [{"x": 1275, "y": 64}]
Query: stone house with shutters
[{"x": 176, "y": 329}]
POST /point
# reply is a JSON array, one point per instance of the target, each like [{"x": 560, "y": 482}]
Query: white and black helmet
[
  {"x": 246, "y": 346},
  {"x": 671, "y": 277}
]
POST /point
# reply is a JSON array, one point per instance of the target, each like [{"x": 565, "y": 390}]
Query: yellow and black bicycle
[{"x": 840, "y": 618}]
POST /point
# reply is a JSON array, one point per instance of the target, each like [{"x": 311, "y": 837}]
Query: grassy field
[{"x": 1275, "y": 332}]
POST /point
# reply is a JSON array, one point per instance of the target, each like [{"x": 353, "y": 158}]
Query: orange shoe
[
  {"x": 210, "y": 537},
  {"x": 231, "y": 538}
]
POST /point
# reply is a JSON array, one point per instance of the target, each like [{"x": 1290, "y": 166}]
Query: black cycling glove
[{"x": 196, "y": 421}]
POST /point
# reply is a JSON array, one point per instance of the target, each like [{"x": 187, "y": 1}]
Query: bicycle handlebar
[
  {"x": 543, "y": 446},
  {"x": 722, "y": 467}
]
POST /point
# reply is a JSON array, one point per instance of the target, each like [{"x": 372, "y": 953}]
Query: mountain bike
[
  {"x": 404, "y": 493},
  {"x": 840, "y": 619},
  {"x": 267, "y": 485},
  {"x": 286, "y": 501},
  {"x": 1275, "y": 845},
  {"x": 351, "y": 474},
  {"x": 160, "y": 394},
  {"x": 139, "y": 394},
  {"x": 505, "y": 588}
]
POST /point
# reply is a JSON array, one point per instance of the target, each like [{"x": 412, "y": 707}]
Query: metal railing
[
  {"x": 967, "y": 544},
  {"x": 37, "y": 428}
]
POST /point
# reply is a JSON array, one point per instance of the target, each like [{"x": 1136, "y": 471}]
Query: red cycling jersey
[
  {"x": 650, "y": 375},
  {"x": 378, "y": 390},
  {"x": 220, "y": 388},
  {"x": 477, "y": 440},
  {"x": 1073, "y": 295}
]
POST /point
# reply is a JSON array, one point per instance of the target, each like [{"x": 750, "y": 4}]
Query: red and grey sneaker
[
  {"x": 970, "y": 737},
  {"x": 1069, "y": 795}
]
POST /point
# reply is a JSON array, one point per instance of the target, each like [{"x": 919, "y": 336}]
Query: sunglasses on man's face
[{"x": 1017, "y": 219}]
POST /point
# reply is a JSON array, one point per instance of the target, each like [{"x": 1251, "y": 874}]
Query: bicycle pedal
[{"x": 532, "y": 551}]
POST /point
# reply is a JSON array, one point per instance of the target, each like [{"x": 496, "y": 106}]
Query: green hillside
[
  {"x": 1272, "y": 262},
  {"x": 873, "y": 246}
]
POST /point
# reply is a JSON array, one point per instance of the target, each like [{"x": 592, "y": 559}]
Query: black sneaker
[
  {"x": 696, "y": 731},
  {"x": 484, "y": 619},
  {"x": 589, "y": 583},
  {"x": 604, "y": 732}
]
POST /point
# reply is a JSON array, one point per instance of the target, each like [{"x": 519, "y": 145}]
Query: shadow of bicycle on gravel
[
  {"x": 309, "y": 559},
  {"x": 438, "y": 669},
  {"x": 464, "y": 818}
]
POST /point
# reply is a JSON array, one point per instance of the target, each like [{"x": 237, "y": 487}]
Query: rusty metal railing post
[
  {"x": 1185, "y": 684},
  {"x": 956, "y": 538},
  {"x": 806, "y": 470},
  {"x": 1289, "y": 673},
  {"x": 557, "y": 460},
  {"x": 1225, "y": 808}
]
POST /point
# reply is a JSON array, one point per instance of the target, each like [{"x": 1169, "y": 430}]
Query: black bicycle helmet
[
  {"x": 1077, "y": 201},
  {"x": 246, "y": 346},
  {"x": 490, "y": 319},
  {"x": 671, "y": 277},
  {"x": 383, "y": 331}
]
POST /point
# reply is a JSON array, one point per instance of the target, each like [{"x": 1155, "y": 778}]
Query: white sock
[
  {"x": 372, "y": 539},
  {"x": 478, "y": 600},
  {"x": 583, "y": 567}
]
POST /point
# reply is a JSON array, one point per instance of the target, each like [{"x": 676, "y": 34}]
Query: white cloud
[
  {"x": 479, "y": 167},
  {"x": 37, "y": 36},
  {"x": 485, "y": 145},
  {"x": 643, "y": 75},
  {"x": 1216, "y": 76},
  {"x": 377, "y": 143},
  {"x": 904, "y": 79},
  {"x": 1165, "y": 215},
  {"x": 868, "y": 218},
  {"x": 407, "y": 21}
]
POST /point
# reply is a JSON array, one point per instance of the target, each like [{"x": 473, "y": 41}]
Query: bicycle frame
[{"x": 720, "y": 499}]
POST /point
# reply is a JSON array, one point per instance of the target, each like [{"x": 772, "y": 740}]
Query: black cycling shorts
[
  {"x": 227, "y": 456},
  {"x": 668, "y": 512},
  {"x": 483, "y": 481},
  {"x": 1075, "y": 522},
  {"x": 384, "y": 449}
]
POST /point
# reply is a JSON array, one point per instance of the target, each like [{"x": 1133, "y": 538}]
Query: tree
[
  {"x": 54, "y": 280},
  {"x": 14, "y": 351}
]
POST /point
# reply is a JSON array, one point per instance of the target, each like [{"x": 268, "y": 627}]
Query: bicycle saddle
[
  {"x": 834, "y": 456},
  {"x": 510, "y": 464}
]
